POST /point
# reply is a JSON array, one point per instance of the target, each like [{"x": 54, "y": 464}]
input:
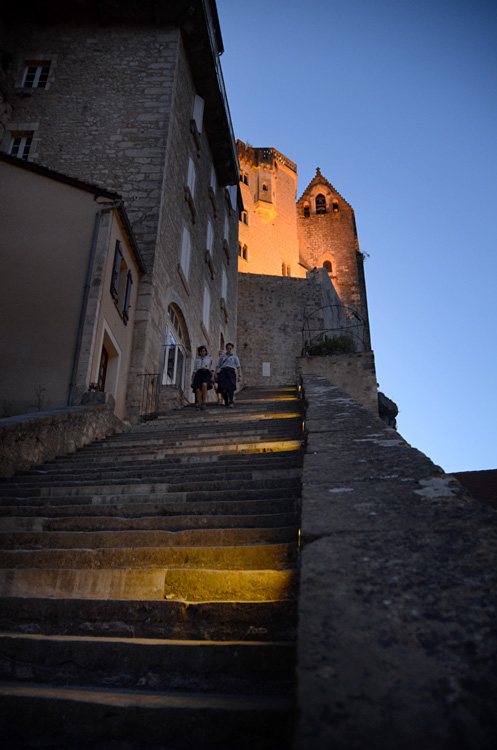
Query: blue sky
[{"x": 396, "y": 102}]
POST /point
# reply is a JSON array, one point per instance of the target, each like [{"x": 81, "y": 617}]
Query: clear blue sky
[{"x": 396, "y": 102}]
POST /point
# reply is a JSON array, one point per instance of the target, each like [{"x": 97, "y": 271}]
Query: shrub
[{"x": 342, "y": 344}]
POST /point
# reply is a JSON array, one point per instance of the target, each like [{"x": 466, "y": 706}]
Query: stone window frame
[
  {"x": 21, "y": 143},
  {"x": 244, "y": 217},
  {"x": 190, "y": 188},
  {"x": 185, "y": 256},
  {"x": 37, "y": 61}
]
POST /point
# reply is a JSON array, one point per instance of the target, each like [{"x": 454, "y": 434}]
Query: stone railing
[
  {"x": 31, "y": 439},
  {"x": 398, "y": 581}
]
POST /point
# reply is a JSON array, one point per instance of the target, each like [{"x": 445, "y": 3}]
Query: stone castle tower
[
  {"x": 327, "y": 238},
  {"x": 281, "y": 237}
]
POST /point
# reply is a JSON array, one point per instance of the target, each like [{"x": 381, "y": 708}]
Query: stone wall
[
  {"x": 277, "y": 316},
  {"x": 33, "y": 439},
  {"x": 353, "y": 373},
  {"x": 397, "y": 604}
]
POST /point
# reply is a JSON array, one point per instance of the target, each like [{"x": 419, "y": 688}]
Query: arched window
[
  {"x": 320, "y": 204},
  {"x": 244, "y": 217},
  {"x": 306, "y": 210},
  {"x": 328, "y": 266},
  {"x": 264, "y": 186},
  {"x": 335, "y": 207},
  {"x": 283, "y": 268}
]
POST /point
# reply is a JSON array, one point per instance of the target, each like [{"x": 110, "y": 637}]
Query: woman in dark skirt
[
  {"x": 226, "y": 370},
  {"x": 202, "y": 376}
]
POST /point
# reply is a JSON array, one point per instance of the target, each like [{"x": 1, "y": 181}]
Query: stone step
[
  {"x": 214, "y": 445},
  {"x": 12, "y": 524},
  {"x": 151, "y": 476},
  {"x": 214, "y": 537},
  {"x": 116, "y": 494},
  {"x": 246, "y": 621},
  {"x": 81, "y": 460},
  {"x": 150, "y": 584},
  {"x": 252, "y": 501},
  {"x": 148, "y": 664},
  {"x": 252, "y": 556},
  {"x": 55, "y": 717},
  {"x": 81, "y": 468}
]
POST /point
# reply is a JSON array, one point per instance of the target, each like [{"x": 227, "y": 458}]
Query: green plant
[{"x": 342, "y": 344}]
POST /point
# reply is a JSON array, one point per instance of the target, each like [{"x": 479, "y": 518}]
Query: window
[
  {"x": 288, "y": 270},
  {"x": 224, "y": 284},
  {"x": 121, "y": 283},
  {"x": 327, "y": 265},
  {"x": 207, "y": 308},
  {"x": 191, "y": 177},
  {"x": 306, "y": 210},
  {"x": 210, "y": 236},
  {"x": 198, "y": 112},
  {"x": 36, "y": 75},
  {"x": 320, "y": 204},
  {"x": 213, "y": 182},
  {"x": 335, "y": 207},
  {"x": 283, "y": 268},
  {"x": 264, "y": 186},
  {"x": 21, "y": 144},
  {"x": 185, "y": 252},
  {"x": 245, "y": 252},
  {"x": 173, "y": 371},
  {"x": 244, "y": 217},
  {"x": 226, "y": 229}
]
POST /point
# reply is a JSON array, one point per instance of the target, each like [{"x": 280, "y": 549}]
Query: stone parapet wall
[
  {"x": 32, "y": 439},
  {"x": 397, "y": 604},
  {"x": 353, "y": 373}
]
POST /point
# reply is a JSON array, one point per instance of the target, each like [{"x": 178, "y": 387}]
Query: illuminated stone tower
[
  {"x": 268, "y": 241},
  {"x": 327, "y": 237}
]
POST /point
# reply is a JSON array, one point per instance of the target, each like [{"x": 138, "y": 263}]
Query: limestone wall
[
  {"x": 353, "y": 373},
  {"x": 397, "y": 640},
  {"x": 34, "y": 439}
]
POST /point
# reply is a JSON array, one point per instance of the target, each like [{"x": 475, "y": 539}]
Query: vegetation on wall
[{"x": 338, "y": 344}]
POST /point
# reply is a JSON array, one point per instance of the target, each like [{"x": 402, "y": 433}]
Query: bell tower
[{"x": 327, "y": 236}]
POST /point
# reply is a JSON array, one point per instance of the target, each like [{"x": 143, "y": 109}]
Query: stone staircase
[{"x": 148, "y": 585}]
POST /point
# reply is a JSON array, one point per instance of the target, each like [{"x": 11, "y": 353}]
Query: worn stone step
[
  {"x": 250, "y": 556},
  {"x": 252, "y": 445},
  {"x": 11, "y": 524},
  {"x": 137, "y": 538},
  {"x": 148, "y": 584},
  {"x": 116, "y": 494},
  {"x": 148, "y": 664},
  {"x": 151, "y": 476},
  {"x": 55, "y": 717},
  {"x": 254, "y": 501},
  {"x": 246, "y": 621},
  {"x": 80, "y": 471}
]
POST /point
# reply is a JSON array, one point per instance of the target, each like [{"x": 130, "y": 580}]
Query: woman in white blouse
[{"x": 203, "y": 371}]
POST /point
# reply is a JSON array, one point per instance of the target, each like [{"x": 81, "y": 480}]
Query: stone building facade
[{"x": 129, "y": 96}]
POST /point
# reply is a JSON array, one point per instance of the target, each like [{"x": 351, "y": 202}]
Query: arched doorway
[{"x": 176, "y": 348}]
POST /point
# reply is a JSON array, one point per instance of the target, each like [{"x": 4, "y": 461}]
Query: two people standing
[{"x": 203, "y": 375}]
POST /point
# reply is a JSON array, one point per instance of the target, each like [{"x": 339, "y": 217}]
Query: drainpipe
[{"x": 86, "y": 294}]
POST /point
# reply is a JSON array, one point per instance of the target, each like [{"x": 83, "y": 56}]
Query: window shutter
[
  {"x": 114, "y": 284},
  {"x": 127, "y": 297}
]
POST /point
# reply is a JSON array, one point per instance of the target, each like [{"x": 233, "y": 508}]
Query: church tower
[{"x": 327, "y": 236}]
